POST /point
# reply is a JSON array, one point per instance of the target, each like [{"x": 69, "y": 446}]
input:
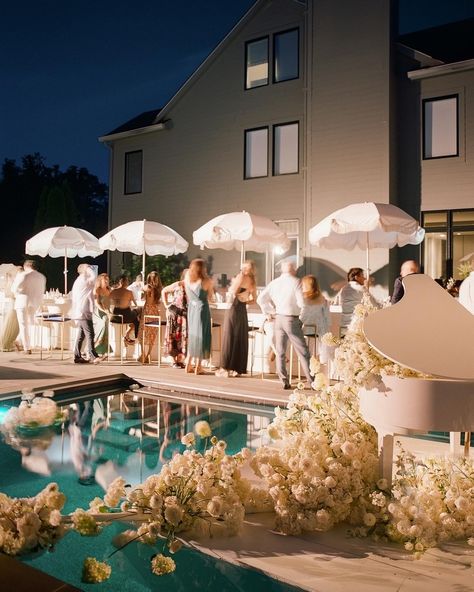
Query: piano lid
[{"x": 427, "y": 331}]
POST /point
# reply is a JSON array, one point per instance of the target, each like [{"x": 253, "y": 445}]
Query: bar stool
[
  {"x": 253, "y": 333},
  {"x": 121, "y": 323},
  {"x": 50, "y": 319},
  {"x": 154, "y": 321}
]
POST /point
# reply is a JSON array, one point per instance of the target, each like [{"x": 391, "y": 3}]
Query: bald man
[{"x": 407, "y": 268}]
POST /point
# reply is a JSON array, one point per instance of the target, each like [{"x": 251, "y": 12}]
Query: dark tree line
[{"x": 36, "y": 196}]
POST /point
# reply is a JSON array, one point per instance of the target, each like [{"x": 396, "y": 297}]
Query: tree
[{"x": 37, "y": 196}]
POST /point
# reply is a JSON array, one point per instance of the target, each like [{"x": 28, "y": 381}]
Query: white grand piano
[{"x": 430, "y": 332}]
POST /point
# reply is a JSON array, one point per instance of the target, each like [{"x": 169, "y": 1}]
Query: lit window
[
  {"x": 256, "y": 60},
  {"x": 133, "y": 172},
  {"x": 256, "y": 153},
  {"x": 286, "y": 56},
  {"x": 440, "y": 127},
  {"x": 285, "y": 149}
]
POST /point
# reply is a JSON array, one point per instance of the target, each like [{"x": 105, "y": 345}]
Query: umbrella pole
[
  {"x": 367, "y": 263},
  {"x": 65, "y": 271},
  {"x": 242, "y": 253}
]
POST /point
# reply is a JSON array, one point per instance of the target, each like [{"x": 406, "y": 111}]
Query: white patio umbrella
[
  {"x": 63, "y": 241},
  {"x": 144, "y": 237},
  {"x": 241, "y": 231},
  {"x": 366, "y": 225}
]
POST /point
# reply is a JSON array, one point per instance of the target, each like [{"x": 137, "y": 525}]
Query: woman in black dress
[{"x": 243, "y": 290}]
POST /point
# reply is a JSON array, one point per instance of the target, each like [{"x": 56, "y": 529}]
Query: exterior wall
[
  {"x": 448, "y": 183},
  {"x": 194, "y": 170},
  {"x": 350, "y": 113}
]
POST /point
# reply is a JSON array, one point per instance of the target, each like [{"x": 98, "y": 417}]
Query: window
[
  {"x": 256, "y": 153},
  {"x": 256, "y": 59},
  {"x": 285, "y": 149},
  {"x": 449, "y": 242},
  {"x": 286, "y": 56},
  {"x": 133, "y": 172},
  {"x": 440, "y": 127}
]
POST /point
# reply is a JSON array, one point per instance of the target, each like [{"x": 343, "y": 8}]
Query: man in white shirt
[
  {"x": 28, "y": 288},
  {"x": 137, "y": 287},
  {"x": 82, "y": 308},
  {"x": 283, "y": 298},
  {"x": 466, "y": 293}
]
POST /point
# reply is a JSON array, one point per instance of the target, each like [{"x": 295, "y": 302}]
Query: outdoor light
[{"x": 278, "y": 251}]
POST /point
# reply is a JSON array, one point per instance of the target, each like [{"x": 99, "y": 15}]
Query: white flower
[
  {"x": 348, "y": 449},
  {"x": 382, "y": 484},
  {"x": 161, "y": 565},
  {"x": 203, "y": 429},
  {"x": 369, "y": 519},
  {"x": 175, "y": 545},
  {"x": 174, "y": 514},
  {"x": 188, "y": 439},
  {"x": 214, "y": 507}
]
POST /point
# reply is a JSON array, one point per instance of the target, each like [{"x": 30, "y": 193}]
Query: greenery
[
  {"x": 169, "y": 268},
  {"x": 40, "y": 196}
]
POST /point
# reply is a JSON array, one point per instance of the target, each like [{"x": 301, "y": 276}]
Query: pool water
[{"x": 128, "y": 434}]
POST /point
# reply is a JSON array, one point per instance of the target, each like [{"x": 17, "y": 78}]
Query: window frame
[
  {"x": 247, "y": 43},
  {"x": 274, "y": 126},
  {"x": 423, "y": 127},
  {"x": 274, "y": 81},
  {"x": 125, "y": 176},
  {"x": 246, "y": 131}
]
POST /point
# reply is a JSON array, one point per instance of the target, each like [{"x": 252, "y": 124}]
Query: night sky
[{"x": 71, "y": 71}]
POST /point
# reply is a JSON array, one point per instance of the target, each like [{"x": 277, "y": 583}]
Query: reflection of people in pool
[
  {"x": 82, "y": 423},
  {"x": 173, "y": 421}
]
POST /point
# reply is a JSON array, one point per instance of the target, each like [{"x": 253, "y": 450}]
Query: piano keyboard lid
[{"x": 427, "y": 331}]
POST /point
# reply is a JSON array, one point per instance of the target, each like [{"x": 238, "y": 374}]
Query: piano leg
[
  {"x": 454, "y": 443},
  {"x": 386, "y": 456}
]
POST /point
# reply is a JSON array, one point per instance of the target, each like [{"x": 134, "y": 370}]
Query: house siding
[
  {"x": 448, "y": 183},
  {"x": 342, "y": 101}
]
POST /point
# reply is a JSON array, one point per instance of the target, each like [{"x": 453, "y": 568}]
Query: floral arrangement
[
  {"x": 432, "y": 501},
  {"x": 325, "y": 465},
  {"x": 35, "y": 412},
  {"x": 29, "y": 524},
  {"x": 202, "y": 493},
  {"x": 356, "y": 362},
  {"x": 465, "y": 269}
]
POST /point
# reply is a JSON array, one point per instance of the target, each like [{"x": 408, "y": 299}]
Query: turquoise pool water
[{"x": 132, "y": 435}]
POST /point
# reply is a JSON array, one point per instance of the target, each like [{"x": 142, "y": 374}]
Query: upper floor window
[
  {"x": 256, "y": 153},
  {"x": 440, "y": 127},
  {"x": 286, "y": 56},
  {"x": 256, "y": 59},
  {"x": 284, "y": 47},
  {"x": 133, "y": 172},
  {"x": 285, "y": 148}
]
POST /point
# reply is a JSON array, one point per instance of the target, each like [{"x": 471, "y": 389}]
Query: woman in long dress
[
  {"x": 243, "y": 290},
  {"x": 152, "y": 297},
  {"x": 199, "y": 291},
  {"x": 176, "y": 336},
  {"x": 101, "y": 313}
]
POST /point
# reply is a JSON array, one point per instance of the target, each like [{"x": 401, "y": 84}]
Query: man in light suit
[{"x": 28, "y": 288}]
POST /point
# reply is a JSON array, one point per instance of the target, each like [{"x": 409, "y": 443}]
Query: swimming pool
[{"x": 130, "y": 433}]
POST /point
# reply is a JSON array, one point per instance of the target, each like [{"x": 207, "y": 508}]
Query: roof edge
[
  {"x": 210, "y": 58},
  {"x": 441, "y": 70},
  {"x": 135, "y": 132}
]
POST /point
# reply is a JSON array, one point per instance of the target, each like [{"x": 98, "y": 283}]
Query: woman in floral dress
[
  {"x": 152, "y": 296},
  {"x": 174, "y": 299}
]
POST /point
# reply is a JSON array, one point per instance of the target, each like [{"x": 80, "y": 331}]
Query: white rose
[
  {"x": 174, "y": 514},
  {"x": 188, "y": 439}
]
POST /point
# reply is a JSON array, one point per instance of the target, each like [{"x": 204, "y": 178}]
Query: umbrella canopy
[
  {"x": 63, "y": 241},
  {"x": 241, "y": 231},
  {"x": 368, "y": 226},
  {"x": 144, "y": 237}
]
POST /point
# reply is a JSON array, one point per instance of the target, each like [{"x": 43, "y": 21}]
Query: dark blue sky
[{"x": 71, "y": 71}]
